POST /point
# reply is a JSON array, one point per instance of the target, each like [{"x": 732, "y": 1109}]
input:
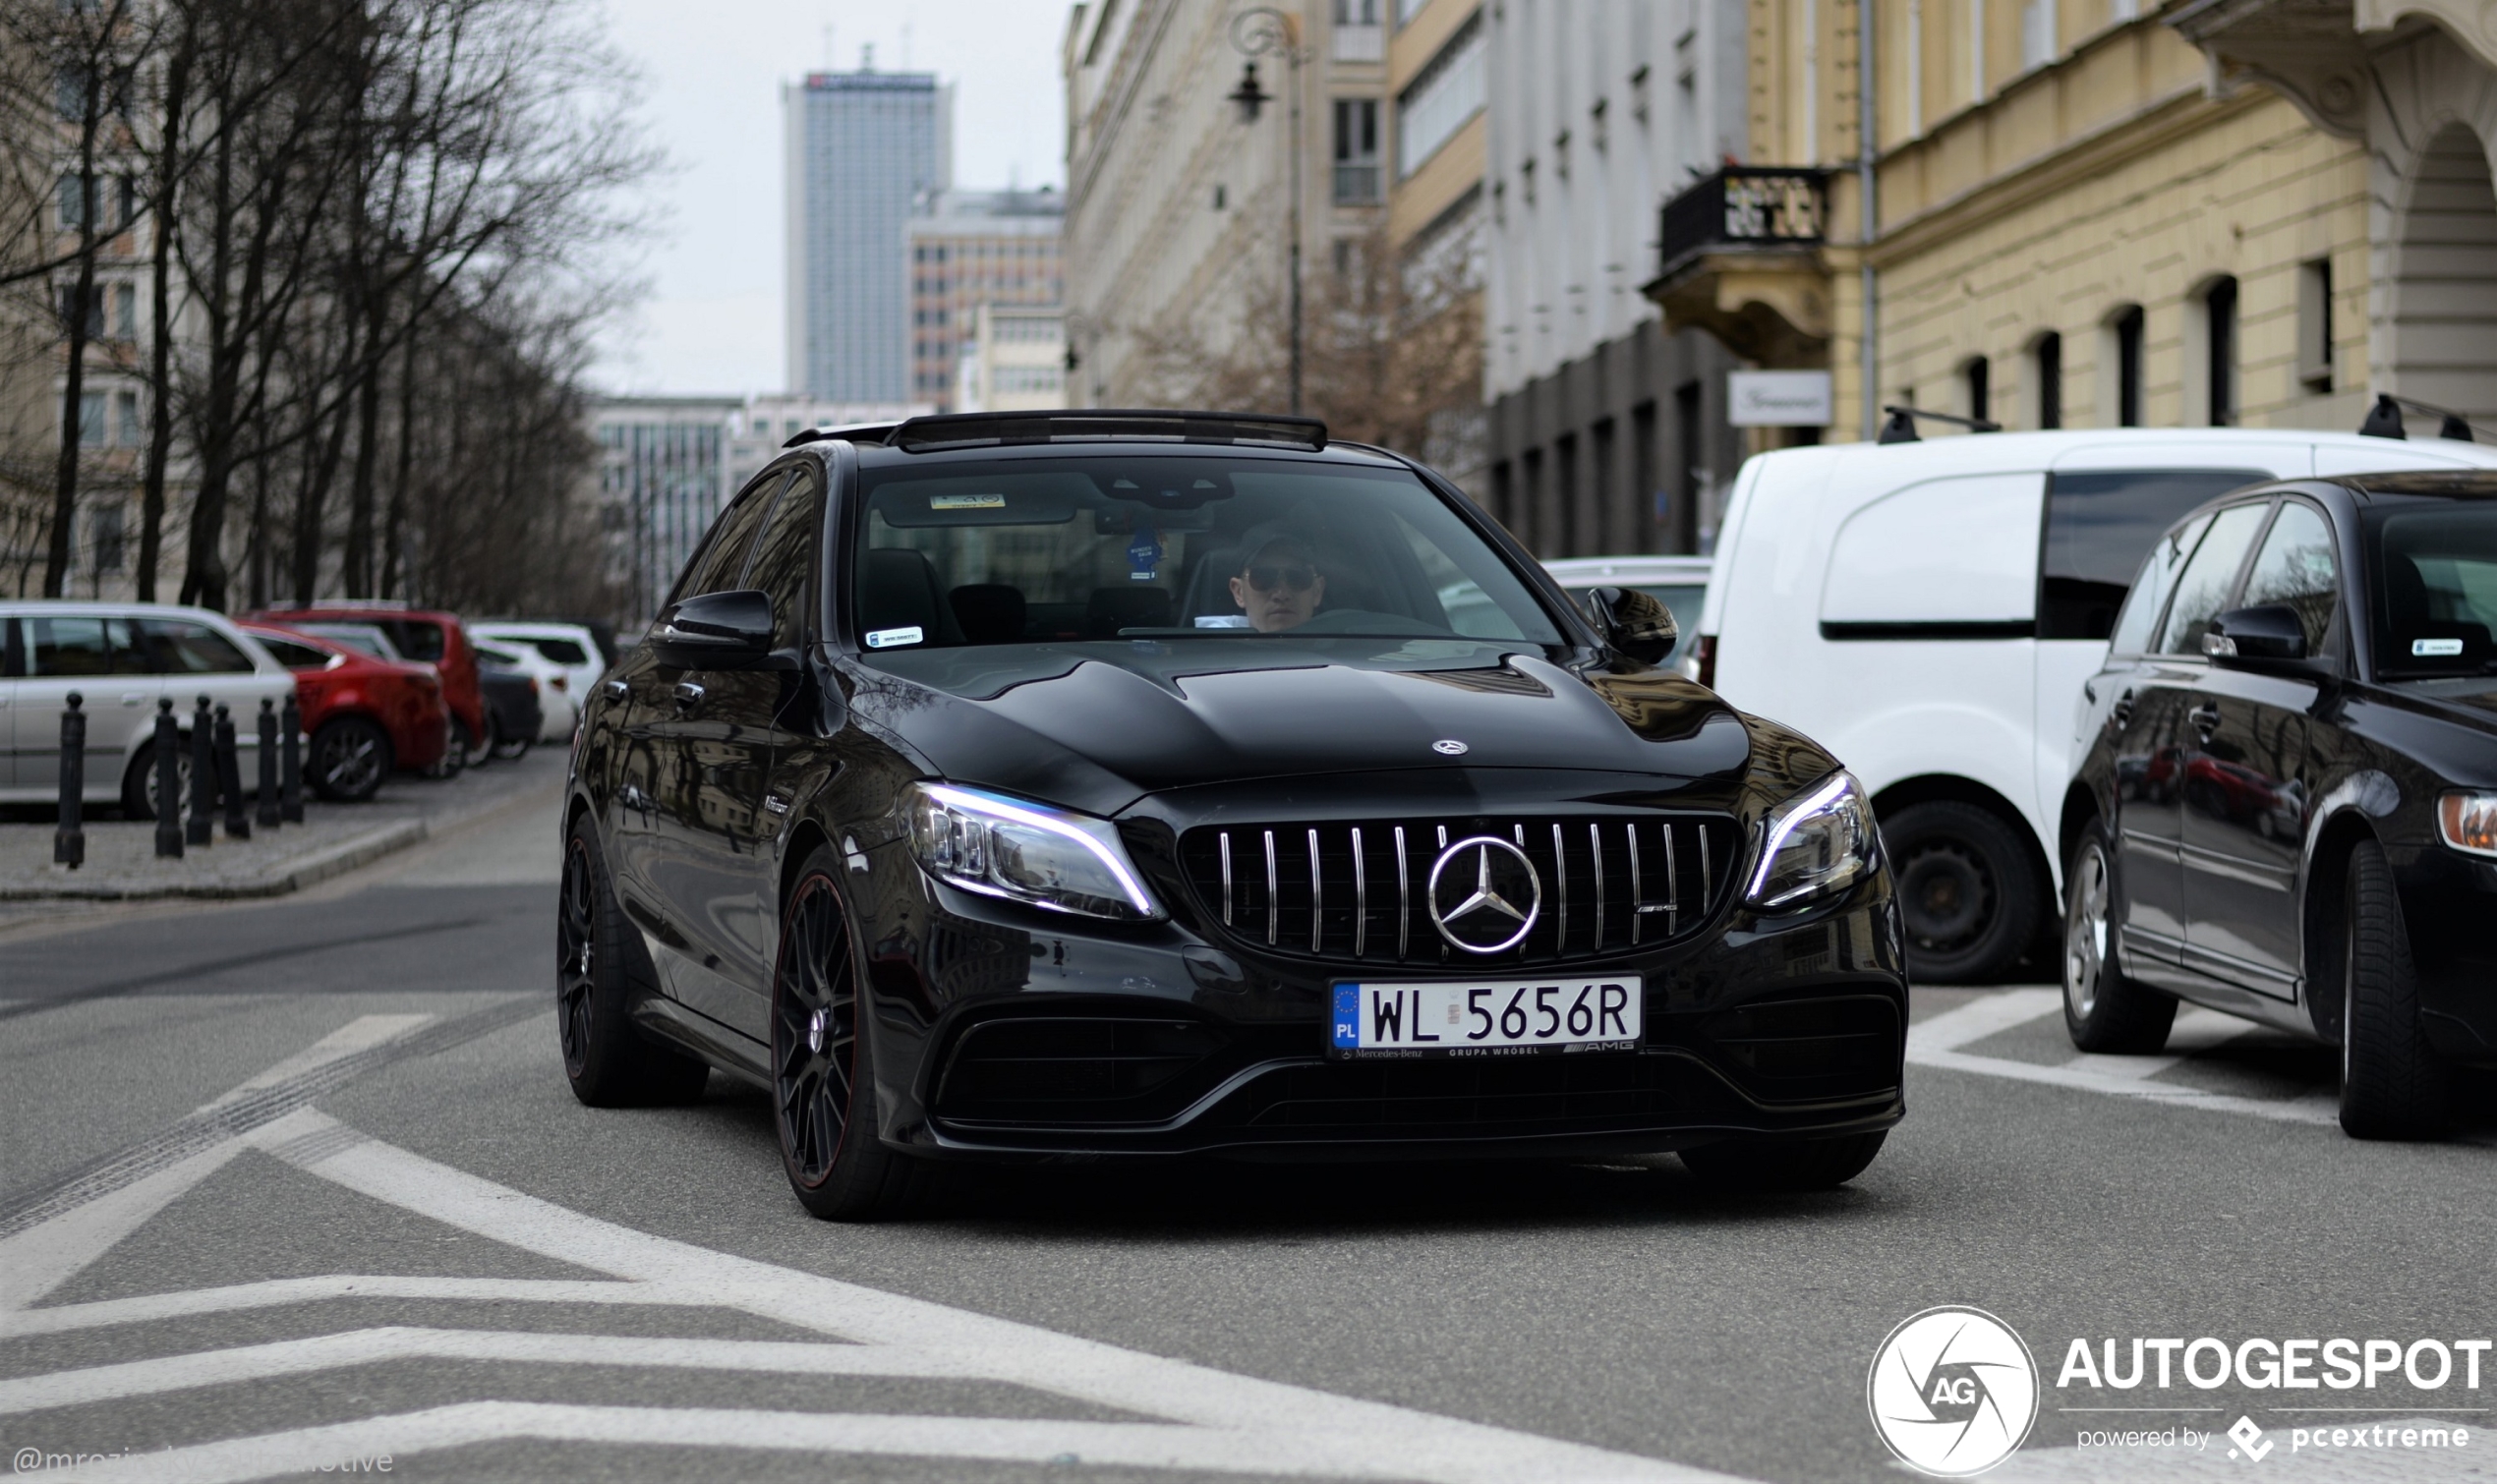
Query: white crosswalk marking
[{"x": 1205, "y": 1419}]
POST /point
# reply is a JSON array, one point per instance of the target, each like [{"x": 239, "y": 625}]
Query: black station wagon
[{"x": 1158, "y": 783}]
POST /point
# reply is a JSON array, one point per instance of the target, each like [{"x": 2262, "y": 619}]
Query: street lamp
[{"x": 1258, "y": 31}]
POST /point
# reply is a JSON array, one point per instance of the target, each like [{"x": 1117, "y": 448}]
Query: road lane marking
[
  {"x": 361, "y": 1033},
  {"x": 153, "y": 1308},
  {"x": 1935, "y": 1043},
  {"x": 41, "y": 1258},
  {"x": 2196, "y": 1030}
]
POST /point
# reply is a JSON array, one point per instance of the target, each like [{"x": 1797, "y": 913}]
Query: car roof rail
[
  {"x": 845, "y": 432},
  {"x": 1085, "y": 424},
  {"x": 1901, "y": 426}
]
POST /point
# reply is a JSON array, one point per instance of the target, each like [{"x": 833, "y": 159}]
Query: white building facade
[{"x": 1014, "y": 360}]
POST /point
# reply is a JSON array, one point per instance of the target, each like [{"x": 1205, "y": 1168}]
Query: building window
[
  {"x": 90, "y": 420},
  {"x": 1357, "y": 11},
  {"x": 125, "y": 427},
  {"x": 1356, "y": 151},
  {"x": 2125, "y": 331},
  {"x": 109, "y": 540},
  {"x": 2048, "y": 364},
  {"x": 2315, "y": 324},
  {"x": 1443, "y": 97},
  {"x": 2219, "y": 330},
  {"x": 1977, "y": 382}
]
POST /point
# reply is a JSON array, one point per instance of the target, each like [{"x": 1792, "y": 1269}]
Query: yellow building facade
[{"x": 2245, "y": 212}]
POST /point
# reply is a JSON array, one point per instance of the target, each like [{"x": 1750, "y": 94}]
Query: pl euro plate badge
[{"x": 1485, "y": 1018}]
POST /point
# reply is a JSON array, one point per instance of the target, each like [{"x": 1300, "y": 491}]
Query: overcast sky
[{"x": 711, "y": 75}]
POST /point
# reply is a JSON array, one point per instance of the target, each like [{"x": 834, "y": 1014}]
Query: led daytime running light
[{"x": 1111, "y": 861}]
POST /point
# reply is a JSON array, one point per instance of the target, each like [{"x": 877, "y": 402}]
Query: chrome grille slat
[{"x": 1601, "y": 906}]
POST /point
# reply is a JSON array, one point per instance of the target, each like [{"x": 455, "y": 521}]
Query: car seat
[
  {"x": 897, "y": 589},
  {"x": 990, "y": 612}
]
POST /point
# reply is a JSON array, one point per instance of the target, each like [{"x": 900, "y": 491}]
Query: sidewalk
[{"x": 122, "y": 864}]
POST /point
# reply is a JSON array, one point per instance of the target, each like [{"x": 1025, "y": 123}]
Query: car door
[
  {"x": 678, "y": 808},
  {"x": 193, "y": 659},
  {"x": 2246, "y": 804},
  {"x": 2156, "y": 748},
  {"x": 100, "y": 657},
  {"x": 12, "y": 678}
]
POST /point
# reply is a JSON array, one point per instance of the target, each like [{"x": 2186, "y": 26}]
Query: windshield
[
  {"x": 2436, "y": 589},
  {"x": 1133, "y": 545}
]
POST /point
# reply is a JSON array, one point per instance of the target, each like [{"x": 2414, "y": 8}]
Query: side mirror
[
  {"x": 717, "y": 631},
  {"x": 1634, "y": 623},
  {"x": 2269, "y": 631}
]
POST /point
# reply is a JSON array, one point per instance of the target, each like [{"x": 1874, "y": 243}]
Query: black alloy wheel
[
  {"x": 823, "y": 1091},
  {"x": 138, "y": 786},
  {"x": 608, "y": 1061},
  {"x": 2392, "y": 1085},
  {"x": 1770, "y": 1164},
  {"x": 350, "y": 757},
  {"x": 1967, "y": 892},
  {"x": 2104, "y": 1010}
]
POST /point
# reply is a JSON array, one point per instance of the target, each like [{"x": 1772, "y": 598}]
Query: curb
[{"x": 287, "y": 876}]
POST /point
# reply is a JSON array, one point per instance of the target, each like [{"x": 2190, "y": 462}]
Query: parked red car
[
  {"x": 433, "y": 638},
  {"x": 365, "y": 717}
]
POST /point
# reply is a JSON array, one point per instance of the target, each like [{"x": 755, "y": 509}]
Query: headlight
[
  {"x": 2468, "y": 822},
  {"x": 1820, "y": 840},
  {"x": 1024, "y": 852}
]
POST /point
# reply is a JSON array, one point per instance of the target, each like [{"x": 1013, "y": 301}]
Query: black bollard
[
  {"x": 290, "y": 786},
  {"x": 266, "y": 814},
  {"x": 168, "y": 781},
  {"x": 229, "y": 778},
  {"x": 69, "y": 841},
  {"x": 202, "y": 830}
]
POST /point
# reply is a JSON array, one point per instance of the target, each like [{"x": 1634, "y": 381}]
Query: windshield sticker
[
  {"x": 1144, "y": 554},
  {"x": 965, "y": 502},
  {"x": 2422, "y": 648},
  {"x": 886, "y": 639},
  {"x": 1222, "y": 620}
]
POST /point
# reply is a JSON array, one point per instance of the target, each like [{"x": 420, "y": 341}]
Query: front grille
[{"x": 1359, "y": 891}]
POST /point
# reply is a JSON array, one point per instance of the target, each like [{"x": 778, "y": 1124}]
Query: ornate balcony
[{"x": 1739, "y": 257}]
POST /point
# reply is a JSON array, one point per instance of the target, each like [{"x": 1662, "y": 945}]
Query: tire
[
  {"x": 1967, "y": 890},
  {"x": 2393, "y": 1086},
  {"x": 600, "y": 962},
  {"x": 138, "y": 786},
  {"x": 472, "y": 749},
  {"x": 1782, "y": 1163},
  {"x": 2102, "y": 1009},
  {"x": 452, "y": 761},
  {"x": 823, "y": 1083},
  {"x": 507, "y": 748},
  {"x": 350, "y": 756}
]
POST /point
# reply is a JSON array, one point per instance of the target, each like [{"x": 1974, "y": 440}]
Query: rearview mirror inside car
[
  {"x": 2266, "y": 631},
  {"x": 717, "y": 631},
  {"x": 1633, "y": 622}
]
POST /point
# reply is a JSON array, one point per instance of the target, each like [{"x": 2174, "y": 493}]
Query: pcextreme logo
[{"x": 1952, "y": 1392}]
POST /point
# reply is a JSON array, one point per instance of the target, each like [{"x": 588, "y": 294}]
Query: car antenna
[{"x": 1901, "y": 426}]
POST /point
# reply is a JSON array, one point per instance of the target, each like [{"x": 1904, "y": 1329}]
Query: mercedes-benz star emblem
[
  {"x": 1449, "y": 745},
  {"x": 1484, "y": 894}
]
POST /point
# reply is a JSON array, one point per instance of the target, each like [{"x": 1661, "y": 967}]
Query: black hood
[{"x": 1096, "y": 726}]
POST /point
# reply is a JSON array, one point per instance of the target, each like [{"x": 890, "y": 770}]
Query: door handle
[
  {"x": 2121, "y": 713},
  {"x": 688, "y": 694},
  {"x": 618, "y": 689},
  {"x": 2205, "y": 718}
]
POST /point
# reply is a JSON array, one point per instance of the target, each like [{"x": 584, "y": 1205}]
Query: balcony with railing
[{"x": 1739, "y": 256}]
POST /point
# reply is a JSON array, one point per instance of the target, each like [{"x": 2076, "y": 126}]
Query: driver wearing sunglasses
[{"x": 1279, "y": 586}]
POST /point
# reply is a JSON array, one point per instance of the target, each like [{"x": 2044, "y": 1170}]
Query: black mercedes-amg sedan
[
  {"x": 1153, "y": 783},
  {"x": 2289, "y": 812}
]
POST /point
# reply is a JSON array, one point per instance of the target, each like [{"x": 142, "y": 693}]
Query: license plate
[{"x": 1487, "y": 1017}]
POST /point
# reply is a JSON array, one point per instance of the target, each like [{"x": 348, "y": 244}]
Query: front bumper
[{"x": 1002, "y": 1032}]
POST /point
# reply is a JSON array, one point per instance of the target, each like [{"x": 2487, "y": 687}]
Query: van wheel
[
  {"x": 1966, "y": 890},
  {"x": 2392, "y": 1084},
  {"x": 2104, "y": 1011}
]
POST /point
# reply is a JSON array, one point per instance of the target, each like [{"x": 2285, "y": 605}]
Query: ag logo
[
  {"x": 1952, "y": 1392},
  {"x": 1484, "y": 894}
]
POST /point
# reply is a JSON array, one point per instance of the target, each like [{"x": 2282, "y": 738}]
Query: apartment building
[
  {"x": 2098, "y": 214},
  {"x": 968, "y": 249},
  {"x": 1014, "y": 360},
  {"x": 757, "y": 433},
  {"x": 663, "y": 476},
  {"x": 861, "y": 150},
  {"x": 1607, "y": 427},
  {"x": 1188, "y": 127}
]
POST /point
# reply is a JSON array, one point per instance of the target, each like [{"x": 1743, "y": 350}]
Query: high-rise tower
[{"x": 861, "y": 147}]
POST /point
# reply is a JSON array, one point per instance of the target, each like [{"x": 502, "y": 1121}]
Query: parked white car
[
  {"x": 558, "y": 712},
  {"x": 1680, "y": 582},
  {"x": 569, "y": 645},
  {"x": 121, "y": 657},
  {"x": 1928, "y": 612}
]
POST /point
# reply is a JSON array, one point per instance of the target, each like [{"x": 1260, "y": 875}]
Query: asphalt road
[{"x": 292, "y": 1186}]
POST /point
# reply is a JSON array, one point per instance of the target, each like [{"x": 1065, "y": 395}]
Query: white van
[{"x": 1929, "y": 611}]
